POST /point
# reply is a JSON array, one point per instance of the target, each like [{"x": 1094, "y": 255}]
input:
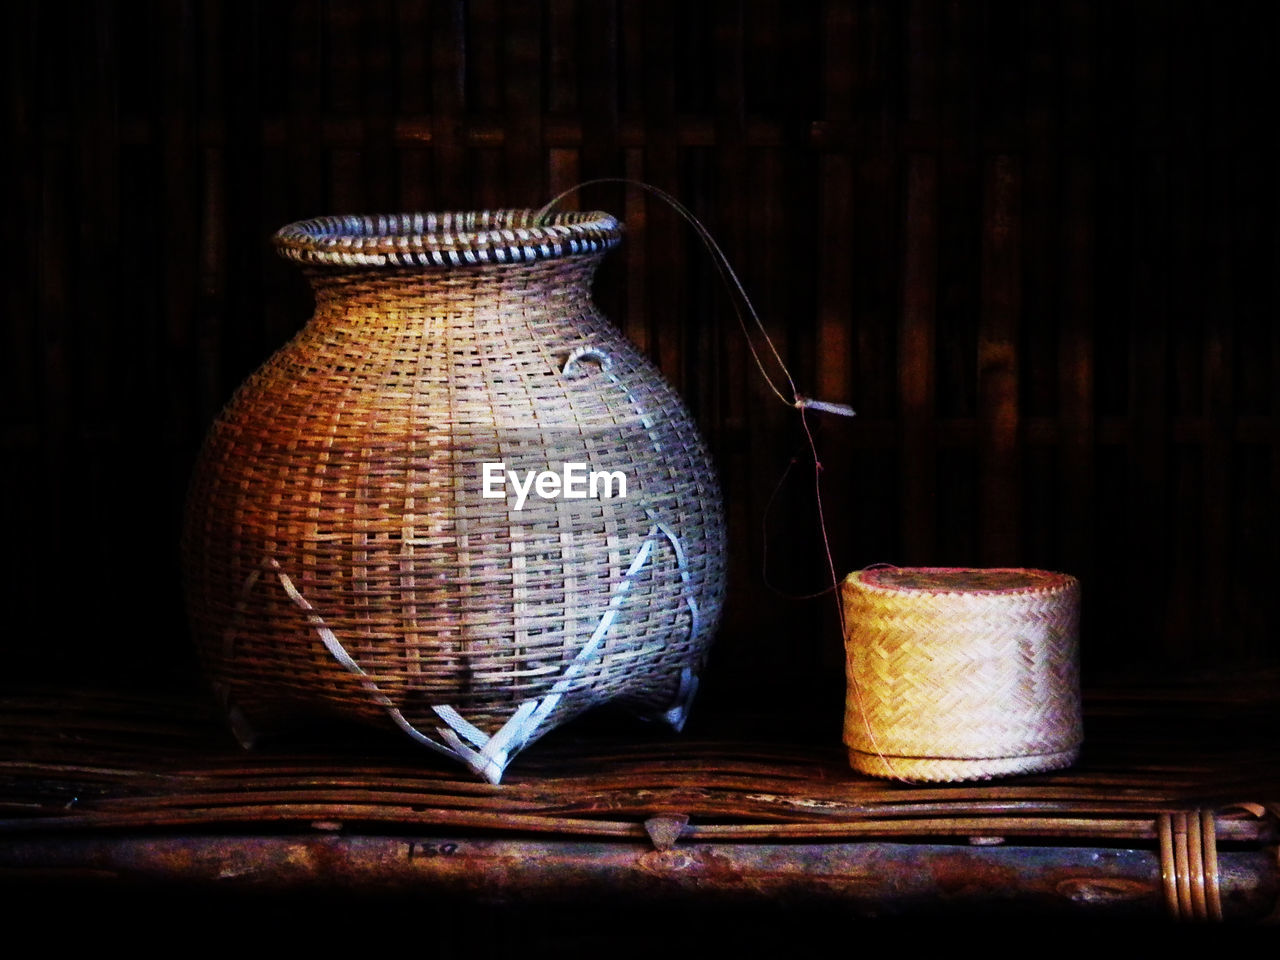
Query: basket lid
[{"x": 989, "y": 580}]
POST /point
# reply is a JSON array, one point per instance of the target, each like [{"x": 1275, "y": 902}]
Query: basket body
[
  {"x": 961, "y": 674},
  {"x": 373, "y": 529}
]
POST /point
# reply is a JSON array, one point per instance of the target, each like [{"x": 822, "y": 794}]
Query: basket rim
[
  {"x": 446, "y": 239},
  {"x": 961, "y": 580}
]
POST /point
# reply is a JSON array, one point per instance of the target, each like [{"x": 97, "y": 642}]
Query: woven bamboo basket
[
  {"x": 958, "y": 674},
  {"x": 353, "y": 548}
]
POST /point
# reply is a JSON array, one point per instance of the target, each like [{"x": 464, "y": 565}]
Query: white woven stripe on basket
[
  {"x": 953, "y": 685},
  {"x": 489, "y": 754}
]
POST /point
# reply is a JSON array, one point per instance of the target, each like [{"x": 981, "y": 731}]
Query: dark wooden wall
[{"x": 1033, "y": 244}]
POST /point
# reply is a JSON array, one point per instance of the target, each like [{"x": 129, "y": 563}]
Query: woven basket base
[{"x": 951, "y": 769}]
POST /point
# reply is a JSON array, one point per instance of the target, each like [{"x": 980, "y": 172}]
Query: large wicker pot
[{"x": 353, "y": 547}]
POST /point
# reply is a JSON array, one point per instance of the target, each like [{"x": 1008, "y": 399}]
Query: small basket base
[{"x": 951, "y": 769}]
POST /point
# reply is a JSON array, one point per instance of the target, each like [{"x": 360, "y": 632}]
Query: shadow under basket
[{"x": 961, "y": 674}]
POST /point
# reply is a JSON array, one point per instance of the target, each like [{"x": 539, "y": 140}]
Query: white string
[
  {"x": 730, "y": 277},
  {"x": 494, "y": 752}
]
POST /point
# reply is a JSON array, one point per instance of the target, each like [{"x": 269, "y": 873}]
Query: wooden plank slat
[
  {"x": 20, "y": 388},
  {"x": 636, "y": 320},
  {"x": 1039, "y": 331},
  {"x": 1076, "y": 337},
  {"x": 211, "y": 352},
  {"x": 666, "y": 237},
  {"x": 598, "y": 94},
  {"x": 526, "y": 163},
  {"x": 835, "y": 267},
  {"x": 240, "y": 192},
  {"x": 53, "y": 246},
  {"x": 1000, "y": 506},
  {"x": 633, "y": 96},
  {"x": 176, "y": 29},
  {"x": 598, "y": 52},
  {"x": 98, "y": 286},
  {"x": 342, "y": 86},
  {"x": 1149, "y": 308},
  {"x": 960, "y": 224},
  {"x": 413, "y": 30},
  {"x": 729, "y": 385},
  {"x": 917, "y": 336},
  {"x": 379, "y": 106},
  {"x": 450, "y": 185},
  {"x": 917, "y": 346},
  {"x": 487, "y": 164},
  {"x": 1222, "y": 227},
  {"x": 564, "y": 164}
]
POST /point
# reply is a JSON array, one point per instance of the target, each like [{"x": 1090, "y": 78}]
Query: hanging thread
[
  {"x": 731, "y": 281},
  {"x": 740, "y": 299}
]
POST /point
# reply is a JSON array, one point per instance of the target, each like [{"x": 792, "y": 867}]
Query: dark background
[{"x": 1033, "y": 244}]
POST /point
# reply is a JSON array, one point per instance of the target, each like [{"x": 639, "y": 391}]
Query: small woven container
[
  {"x": 352, "y": 547},
  {"x": 961, "y": 674}
]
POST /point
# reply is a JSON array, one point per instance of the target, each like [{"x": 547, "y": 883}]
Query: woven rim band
[
  {"x": 1002, "y": 581},
  {"x": 955, "y": 769},
  {"x": 446, "y": 239}
]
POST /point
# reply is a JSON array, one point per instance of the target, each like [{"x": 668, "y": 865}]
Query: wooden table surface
[{"x": 105, "y": 787}]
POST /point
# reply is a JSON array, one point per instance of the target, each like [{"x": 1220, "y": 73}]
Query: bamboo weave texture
[
  {"x": 959, "y": 674},
  {"x": 340, "y": 496}
]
